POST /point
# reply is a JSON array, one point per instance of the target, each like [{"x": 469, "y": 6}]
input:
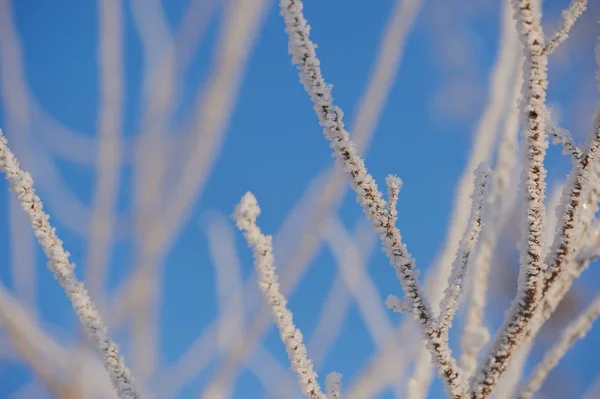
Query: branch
[
  {"x": 245, "y": 216},
  {"x": 563, "y": 137},
  {"x": 330, "y": 185},
  {"x": 449, "y": 304},
  {"x": 568, "y": 239},
  {"x": 22, "y": 183},
  {"x": 509, "y": 337},
  {"x": 501, "y": 200},
  {"x": 573, "y": 332},
  {"x": 569, "y": 17},
  {"x": 368, "y": 194}
]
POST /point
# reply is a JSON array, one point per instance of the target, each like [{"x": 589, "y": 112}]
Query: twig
[
  {"x": 573, "y": 332},
  {"x": 245, "y": 216},
  {"x": 449, "y": 304},
  {"x": 368, "y": 194},
  {"x": 529, "y": 292},
  {"x": 22, "y": 183},
  {"x": 569, "y": 17},
  {"x": 501, "y": 200}
]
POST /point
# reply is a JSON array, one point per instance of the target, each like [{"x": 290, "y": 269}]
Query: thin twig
[
  {"x": 569, "y": 17},
  {"x": 573, "y": 332},
  {"x": 368, "y": 194},
  {"x": 529, "y": 293},
  {"x": 22, "y": 183},
  {"x": 245, "y": 216}
]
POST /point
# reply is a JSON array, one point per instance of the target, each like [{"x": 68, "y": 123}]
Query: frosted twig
[
  {"x": 368, "y": 194},
  {"x": 501, "y": 200},
  {"x": 333, "y": 385},
  {"x": 394, "y": 184},
  {"x": 562, "y": 136},
  {"x": 213, "y": 104},
  {"x": 567, "y": 240},
  {"x": 488, "y": 129},
  {"x": 569, "y": 17},
  {"x": 331, "y": 192},
  {"x": 573, "y": 332},
  {"x": 22, "y": 183},
  {"x": 245, "y": 216},
  {"x": 507, "y": 340},
  {"x": 508, "y": 385},
  {"x": 449, "y": 303}
]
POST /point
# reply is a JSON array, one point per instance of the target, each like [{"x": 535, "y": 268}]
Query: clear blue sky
[{"x": 275, "y": 148}]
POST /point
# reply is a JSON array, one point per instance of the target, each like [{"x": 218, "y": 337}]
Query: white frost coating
[
  {"x": 561, "y": 136},
  {"x": 573, "y": 332},
  {"x": 508, "y": 338},
  {"x": 394, "y": 184},
  {"x": 22, "y": 183},
  {"x": 396, "y": 304},
  {"x": 500, "y": 201},
  {"x": 333, "y": 385},
  {"x": 449, "y": 303},
  {"x": 245, "y": 215},
  {"x": 569, "y": 17},
  {"x": 368, "y": 194},
  {"x": 575, "y": 219},
  {"x": 558, "y": 281}
]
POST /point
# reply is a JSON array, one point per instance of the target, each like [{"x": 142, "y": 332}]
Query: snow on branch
[
  {"x": 245, "y": 215},
  {"x": 394, "y": 184},
  {"x": 569, "y": 17},
  {"x": 449, "y": 303},
  {"x": 333, "y": 385},
  {"x": 562, "y": 136},
  {"x": 508, "y": 339},
  {"x": 567, "y": 241},
  {"x": 573, "y": 332},
  {"x": 22, "y": 183},
  {"x": 500, "y": 201},
  {"x": 368, "y": 193}
]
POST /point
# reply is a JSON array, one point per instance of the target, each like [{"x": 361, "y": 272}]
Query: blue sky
[{"x": 275, "y": 148}]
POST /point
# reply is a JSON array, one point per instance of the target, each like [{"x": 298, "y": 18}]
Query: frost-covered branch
[
  {"x": 562, "y": 136},
  {"x": 22, "y": 183},
  {"x": 567, "y": 241},
  {"x": 573, "y": 332},
  {"x": 500, "y": 201},
  {"x": 368, "y": 194},
  {"x": 508, "y": 339},
  {"x": 449, "y": 303},
  {"x": 245, "y": 216},
  {"x": 333, "y": 385},
  {"x": 569, "y": 17}
]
